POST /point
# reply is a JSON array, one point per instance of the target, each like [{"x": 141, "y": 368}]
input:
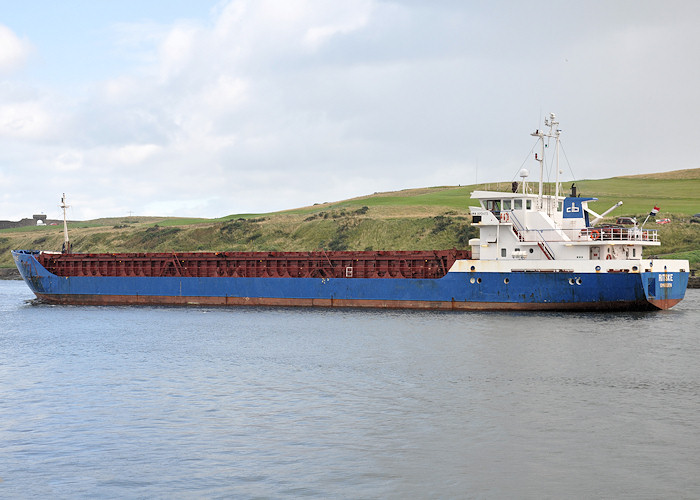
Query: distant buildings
[{"x": 36, "y": 220}]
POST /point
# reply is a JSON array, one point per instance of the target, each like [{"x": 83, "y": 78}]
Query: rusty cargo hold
[{"x": 319, "y": 264}]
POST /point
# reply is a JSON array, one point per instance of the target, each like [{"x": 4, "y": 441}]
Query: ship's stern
[{"x": 665, "y": 282}]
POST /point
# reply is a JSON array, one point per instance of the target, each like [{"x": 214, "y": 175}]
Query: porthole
[
  {"x": 634, "y": 268},
  {"x": 478, "y": 280},
  {"x": 578, "y": 281},
  {"x": 472, "y": 280},
  {"x": 597, "y": 268},
  {"x": 506, "y": 281},
  {"x": 473, "y": 268},
  {"x": 571, "y": 281},
  {"x": 532, "y": 250}
]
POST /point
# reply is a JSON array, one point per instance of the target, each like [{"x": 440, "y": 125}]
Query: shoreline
[{"x": 9, "y": 273}]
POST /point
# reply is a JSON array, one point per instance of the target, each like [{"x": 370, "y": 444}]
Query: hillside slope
[{"x": 414, "y": 219}]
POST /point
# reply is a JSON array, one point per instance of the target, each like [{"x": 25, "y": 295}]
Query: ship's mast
[
  {"x": 66, "y": 241},
  {"x": 554, "y": 131},
  {"x": 555, "y": 125},
  {"x": 540, "y": 158}
]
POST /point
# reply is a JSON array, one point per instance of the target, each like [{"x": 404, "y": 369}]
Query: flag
[{"x": 654, "y": 211}]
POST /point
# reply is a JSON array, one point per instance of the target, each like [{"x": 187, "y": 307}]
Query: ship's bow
[{"x": 30, "y": 269}]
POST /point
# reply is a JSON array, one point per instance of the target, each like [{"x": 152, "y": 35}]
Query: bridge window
[
  {"x": 517, "y": 204},
  {"x": 506, "y": 204},
  {"x": 493, "y": 205},
  {"x": 528, "y": 204}
]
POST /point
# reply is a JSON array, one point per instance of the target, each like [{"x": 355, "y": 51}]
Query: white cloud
[
  {"x": 226, "y": 92},
  {"x": 334, "y": 22},
  {"x": 130, "y": 154},
  {"x": 13, "y": 50},
  {"x": 268, "y": 105},
  {"x": 69, "y": 161},
  {"x": 176, "y": 51},
  {"x": 24, "y": 120}
]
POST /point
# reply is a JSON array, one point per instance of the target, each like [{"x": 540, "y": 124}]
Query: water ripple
[{"x": 272, "y": 403}]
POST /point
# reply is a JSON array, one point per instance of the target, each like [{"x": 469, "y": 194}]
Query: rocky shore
[
  {"x": 9, "y": 273},
  {"x": 694, "y": 282}
]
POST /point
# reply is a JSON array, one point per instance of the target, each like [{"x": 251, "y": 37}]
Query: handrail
[
  {"x": 520, "y": 228},
  {"x": 619, "y": 234},
  {"x": 542, "y": 241},
  {"x": 595, "y": 234}
]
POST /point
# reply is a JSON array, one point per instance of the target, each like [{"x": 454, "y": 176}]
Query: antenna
[
  {"x": 66, "y": 241},
  {"x": 540, "y": 158},
  {"x": 554, "y": 131},
  {"x": 554, "y": 124}
]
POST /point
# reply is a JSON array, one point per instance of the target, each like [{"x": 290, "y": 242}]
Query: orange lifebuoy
[
  {"x": 504, "y": 217},
  {"x": 608, "y": 257},
  {"x": 595, "y": 234}
]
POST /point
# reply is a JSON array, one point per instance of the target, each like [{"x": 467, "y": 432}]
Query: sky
[{"x": 208, "y": 108}]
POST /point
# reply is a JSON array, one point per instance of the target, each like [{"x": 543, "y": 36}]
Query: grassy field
[{"x": 414, "y": 219}]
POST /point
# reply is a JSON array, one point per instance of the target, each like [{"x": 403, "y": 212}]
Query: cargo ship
[{"x": 535, "y": 251}]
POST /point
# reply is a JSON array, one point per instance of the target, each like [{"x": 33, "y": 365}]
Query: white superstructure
[{"x": 520, "y": 225}]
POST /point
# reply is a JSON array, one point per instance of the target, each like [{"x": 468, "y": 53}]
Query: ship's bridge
[{"x": 525, "y": 226}]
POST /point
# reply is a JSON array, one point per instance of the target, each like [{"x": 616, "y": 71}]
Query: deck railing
[
  {"x": 604, "y": 233},
  {"x": 633, "y": 234},
  {"x": 521, "y": 233}
]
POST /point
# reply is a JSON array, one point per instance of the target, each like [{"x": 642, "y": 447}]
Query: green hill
[{"x": 413, "y": 219}]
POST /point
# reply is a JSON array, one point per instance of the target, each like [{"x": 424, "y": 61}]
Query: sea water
[{"x": 198, "y": 402}]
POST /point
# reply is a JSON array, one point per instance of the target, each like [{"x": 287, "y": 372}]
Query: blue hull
[{"x": 456, "y": 290}]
